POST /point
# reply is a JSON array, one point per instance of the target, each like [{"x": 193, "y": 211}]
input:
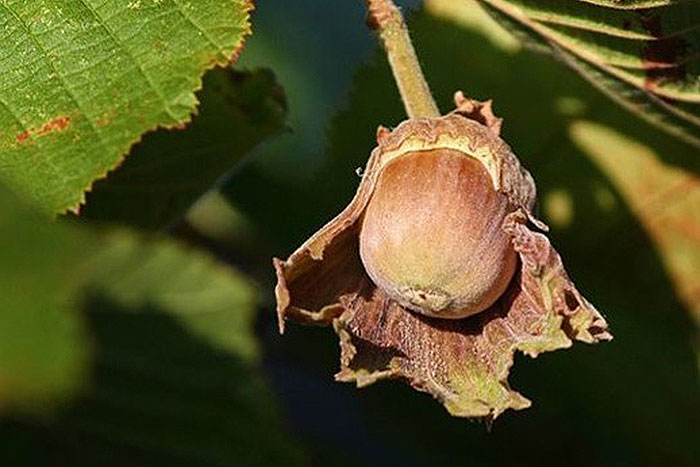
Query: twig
[{"x": 384, "y": 17}]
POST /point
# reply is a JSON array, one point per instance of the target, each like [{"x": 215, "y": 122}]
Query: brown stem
[{"x": 384, "y": 17}]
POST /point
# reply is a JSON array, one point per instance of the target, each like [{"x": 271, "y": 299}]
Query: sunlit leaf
[
  {"x": 665, "y": 199},
  {"x": 139, "y": 273},
  {"x": 645, "y": 54},
  {"x": 81, "y": 80}
]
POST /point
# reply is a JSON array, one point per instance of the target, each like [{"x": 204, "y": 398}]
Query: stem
[{"x": 384, "y": 17}]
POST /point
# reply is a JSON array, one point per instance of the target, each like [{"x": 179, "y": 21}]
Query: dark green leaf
[{"x": 168, "y": 170}]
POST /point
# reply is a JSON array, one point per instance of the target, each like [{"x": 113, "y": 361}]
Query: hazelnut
[
  {"x": 442, "y": 225},
  {"x": 431, "y": 237}
]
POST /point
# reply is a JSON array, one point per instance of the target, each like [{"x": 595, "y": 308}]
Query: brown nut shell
[{"x": 432, "y": 236}]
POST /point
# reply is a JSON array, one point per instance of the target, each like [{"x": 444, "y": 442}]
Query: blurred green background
[{"x": 221, "y": 387}]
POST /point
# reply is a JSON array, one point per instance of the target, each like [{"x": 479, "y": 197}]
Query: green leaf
[
  {"x": 138, "y": 273},
  {"x": 48, "y": 271},
  {"x": 175, "y": 377},
  {"x": 81, "y": 80},
  {"x": 645, "y": 54},
  {"x": 177, "y": 364},
  {"x": 43, "y": 346},
  {"x": 168, "y": 170},
  {"x": 176, "y": 374},
  {"x": 665, "y": 199}
]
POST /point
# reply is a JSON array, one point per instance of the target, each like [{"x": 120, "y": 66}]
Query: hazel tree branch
[{"x": 385, "y": 18}]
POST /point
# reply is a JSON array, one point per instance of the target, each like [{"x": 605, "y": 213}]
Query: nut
[
  {"x": 442, "y": 224},
  {"x": 431, "y": 237}
]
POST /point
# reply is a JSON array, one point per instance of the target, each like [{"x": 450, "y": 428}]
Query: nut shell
[{"x": 431, "y": 237}]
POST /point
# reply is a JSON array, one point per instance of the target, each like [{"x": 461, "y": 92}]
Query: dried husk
[{"x": 463, "y": 363}]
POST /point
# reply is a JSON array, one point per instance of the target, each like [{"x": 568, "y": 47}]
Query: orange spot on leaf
[{"x": 58, "y": 124}]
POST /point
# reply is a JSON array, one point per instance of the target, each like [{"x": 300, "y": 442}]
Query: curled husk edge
[{"x": 462, "y": 363}]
